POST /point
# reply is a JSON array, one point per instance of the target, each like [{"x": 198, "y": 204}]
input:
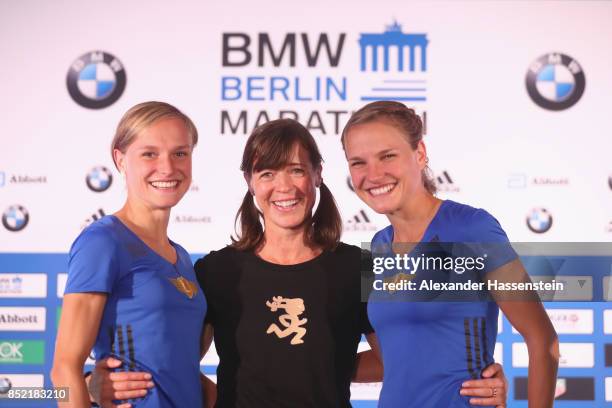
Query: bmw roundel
[
  {"x": 539, "y": 220},
  {"x": 96, "y": 80},
  {"x": 99, "y": 179},
  {"x": 15, "y": 218},
  {"x": 555, "y": 81},
  {"x": 5, "y": 385}
]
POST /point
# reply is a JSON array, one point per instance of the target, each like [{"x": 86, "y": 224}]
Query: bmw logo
[
  {"x": 539, "y": 220},
  {"x": 99, "y": 179},
  {"x": 96, "y": 80},
  {"x": 15, "y": 218},
  {"x": 555, "y": 81},
  {"x": 5, "y": 385}
]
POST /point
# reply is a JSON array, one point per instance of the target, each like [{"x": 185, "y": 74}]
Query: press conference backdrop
[{"x": 514, "y": 96}]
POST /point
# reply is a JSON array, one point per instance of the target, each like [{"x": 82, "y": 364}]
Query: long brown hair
[
  {"x": 399, "y": 116},
  {"x": 270, "y": 146}
]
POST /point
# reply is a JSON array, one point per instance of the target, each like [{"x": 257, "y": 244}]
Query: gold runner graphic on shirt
[
  {"x": 185, "y": 286},
  {"x": 291, "y": 321}
]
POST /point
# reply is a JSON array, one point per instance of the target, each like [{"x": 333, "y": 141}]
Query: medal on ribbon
[{"x": 185, "y": 286}]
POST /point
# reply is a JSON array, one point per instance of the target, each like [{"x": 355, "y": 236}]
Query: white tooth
[
  {"x": 164, "y": 184},
  {"x": 382, "y": 190},
  {"x": 286, "y": 203}
]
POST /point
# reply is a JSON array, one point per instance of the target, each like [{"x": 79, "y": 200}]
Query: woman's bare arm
[{"x": 78, "y": 328}]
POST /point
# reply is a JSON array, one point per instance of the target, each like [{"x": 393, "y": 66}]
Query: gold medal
[{"x": 185, "y": 286}]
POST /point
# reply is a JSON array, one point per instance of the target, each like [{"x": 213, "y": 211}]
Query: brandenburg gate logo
[
  {"x": 393, "y": 37},
  {"x": 402, "y": 73}
]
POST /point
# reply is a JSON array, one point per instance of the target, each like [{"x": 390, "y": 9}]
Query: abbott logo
[{"x": 22, "y": 318}]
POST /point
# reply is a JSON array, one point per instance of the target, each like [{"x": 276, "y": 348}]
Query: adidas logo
[
  {"x": 359, "y": 222},
  {"x": 94, "y": 217},
  {"x": 445, "y": 183}
]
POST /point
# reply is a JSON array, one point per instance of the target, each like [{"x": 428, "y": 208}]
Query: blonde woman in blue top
[{"x": 131, "y": 292}]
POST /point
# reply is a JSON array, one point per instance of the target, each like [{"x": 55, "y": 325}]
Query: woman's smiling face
[
  {"x": 157, "y": 164},
  {"x": 286, "y": 195},
  {"x": 384, "y": 168}
]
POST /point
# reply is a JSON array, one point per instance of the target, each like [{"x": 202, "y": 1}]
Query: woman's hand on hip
[{"x": 492, "y": 389}]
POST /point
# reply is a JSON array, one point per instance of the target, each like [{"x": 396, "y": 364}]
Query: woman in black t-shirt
[{"x": 285, "y": 296}]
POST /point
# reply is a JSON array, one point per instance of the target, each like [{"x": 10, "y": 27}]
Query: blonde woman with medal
[{"x": 131, "y": 292}]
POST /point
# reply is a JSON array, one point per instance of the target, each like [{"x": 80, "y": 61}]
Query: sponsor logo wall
[{"x": 515, "y": 123}]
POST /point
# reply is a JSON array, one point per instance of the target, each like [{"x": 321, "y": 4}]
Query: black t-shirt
[{"x": 286, "y": 335}]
